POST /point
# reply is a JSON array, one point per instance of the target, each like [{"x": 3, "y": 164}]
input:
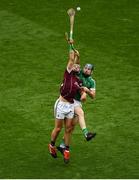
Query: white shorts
[
  {"x": 63, "y": 110},
  {"x": 77, "y": 103}
]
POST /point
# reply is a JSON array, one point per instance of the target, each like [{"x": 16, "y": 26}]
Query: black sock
[
  {"x": 67, "y": 147},
  {"x": 52, "y": 143}
]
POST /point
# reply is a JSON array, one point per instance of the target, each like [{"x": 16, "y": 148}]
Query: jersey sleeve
[
  {"x": 92, "y": 84},
  {"x": 68, "y": 70}
]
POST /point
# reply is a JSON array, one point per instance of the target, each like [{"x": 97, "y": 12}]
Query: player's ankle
[
  {"x": 52, "y": 143},
  {"x": 85, "y": 131}
]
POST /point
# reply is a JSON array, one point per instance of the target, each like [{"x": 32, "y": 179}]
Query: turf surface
[{"x": 33, "y": 55}]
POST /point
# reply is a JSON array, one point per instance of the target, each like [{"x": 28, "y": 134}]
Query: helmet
[{"x": 89, "y": 66}]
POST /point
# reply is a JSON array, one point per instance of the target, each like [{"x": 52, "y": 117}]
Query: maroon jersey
[{"x": 70, "y": 86}]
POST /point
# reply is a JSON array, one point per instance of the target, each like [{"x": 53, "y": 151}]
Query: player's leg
[
  {"x": 79, "y": 111},
  {"x": 68, "y": 130},
  {"x": 75, "y": 121},
  {"x": 59, "y": 118},
  {"x": 62, "y": 146},
  {"x": 67, "y": 136},
  {"x": 54, "y": 134},
  {"x": 56, "y": 130}
]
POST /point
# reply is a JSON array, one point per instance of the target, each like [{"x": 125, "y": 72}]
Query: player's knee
[
  {"x": 72, "y": 127},
  {"x": 81, "y": 114},
  {"x": 68, "y": 129},
  {"x": 58, "y": 129}
]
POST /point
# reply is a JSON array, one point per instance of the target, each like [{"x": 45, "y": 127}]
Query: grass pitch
[{"x": 33, "y": 55}]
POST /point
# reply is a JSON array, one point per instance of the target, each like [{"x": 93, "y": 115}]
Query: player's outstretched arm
[
  {"x": 71, "y": 56},
  {"x": 70, "y": 41},
  {"x": 90, "y": 92},
  {"x": 76, "y": 57},
  {"x": 83, "y": 96}
]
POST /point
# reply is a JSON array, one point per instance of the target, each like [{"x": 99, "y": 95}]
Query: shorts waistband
[{"x": 63, "y": 100}]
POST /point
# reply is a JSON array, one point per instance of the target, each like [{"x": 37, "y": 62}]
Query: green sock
[{"x": 85, "y": 131}]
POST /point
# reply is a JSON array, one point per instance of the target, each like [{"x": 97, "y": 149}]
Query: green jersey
[{"x": 88, "y": 82}]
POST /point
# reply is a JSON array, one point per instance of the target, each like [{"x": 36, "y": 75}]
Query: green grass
[{"x": 33, "y": 55}]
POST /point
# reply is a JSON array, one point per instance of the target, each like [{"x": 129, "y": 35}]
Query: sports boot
[
  {"x": 52, "y": 150},
  {"x": 66, "y": 154},
  {"x": 89, "y": 136},
  {"x": 61, "y": 149}
]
